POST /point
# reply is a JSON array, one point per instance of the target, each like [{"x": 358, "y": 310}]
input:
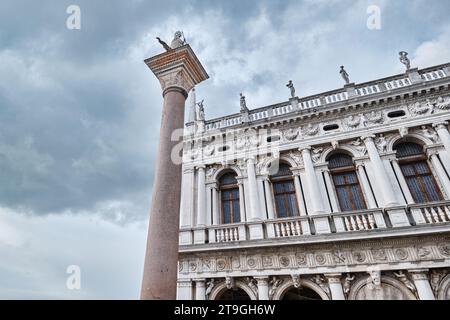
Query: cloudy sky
[{"x": 79, "y": 111}]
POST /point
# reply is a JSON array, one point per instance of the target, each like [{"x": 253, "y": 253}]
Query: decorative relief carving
[
  {"x": 275, "y": 283},
  {"x": 284, "y": 261},
  {"x": 251, "y": 282},
  {"x": 300, "y": 258},
  {"x": 297, "y": 157},
  {"x": 320, "y": 281},
  {"x": 429, "y": 133},
  {"x": 443, "y": 104},
  {"x": 296, "y": 280},
  {"x": 353, "y": 121},
  {"x": 404, "y": 279},
  {"x": 229, "y": 281},
  {"x": 291, "y": 134},
  {"x": 311, "y": 130},
  {"x": 209, "y": 286},
  {"x": 359, "y": 146},
  {"x": 435, "y": 279},
  {"x": 401, "y": 253},
  {"x": 381, "y": 143},
  {"x": 350, "y": 256},
  {"x": 316, "y": 153},
  {"x": 374, "y": 117},
  {"x": 419, "y": 108},
  {"x": 347, "y": 283},
  {"x": 320, "y": 259}
]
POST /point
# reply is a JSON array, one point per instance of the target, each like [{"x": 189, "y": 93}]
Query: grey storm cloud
[{"x": 80, "y": 111}]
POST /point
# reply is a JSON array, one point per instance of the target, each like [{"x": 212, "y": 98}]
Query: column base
[
  {"x": 321, "y": 225},
  {"x": 398, "y": 217},
  {"x": 185, "y": 237},
  {"x": 200, "y": 236},
  {"x": 256, "y": 231}
]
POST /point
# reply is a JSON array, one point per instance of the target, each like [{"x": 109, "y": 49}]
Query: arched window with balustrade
[
  {"x": 229, "y": 198},
  {"x": 417, "y": 172},
  {"x": 284, "y": 192},
  {"x": 346, "y": 182}
]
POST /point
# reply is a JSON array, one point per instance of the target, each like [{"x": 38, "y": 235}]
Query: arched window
[
  {"x": 417, "y": 173},
  {"x": 284, "y": 192},
  {"x": 346, "y": 183},
  {"x": 229, "y": 195}
]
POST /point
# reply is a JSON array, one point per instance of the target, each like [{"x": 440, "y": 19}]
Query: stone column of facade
[
  {"x": 383, "y": 181},
  {"x": 334, "y": 282},
  {"x": 420, "y": 278},
  {"x": 301, "y": 203},
  {"x": 186, "y": 208},
  {"x": 215, "y": 205},
  {"x": 242, "y": 201},
  {"x": 269, "y": 198},
  {"x": 262, "y": 201},
  {"x": 321, "y": 224},
  {"x": 371, "y": 202},
  {"x": 396, "y": 213},
  {"x": 263, "y": 288},
  {"x": 199, "y": 231},
  {"x": 200, "y": 289},
  {"x": 208, "y": 212},
  {"x": 441, "y": 173},
  {"x": 184, "y": 291},
  {"x": 331, "y": 191},
  {"x": 178, "y": 71},
  {"x": 254, "y": 218},
  {"x": 362, "y": 176},
  {"x": 402, "y": 182}
]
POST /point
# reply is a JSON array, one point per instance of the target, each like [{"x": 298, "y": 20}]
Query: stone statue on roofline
[
  {"x": 290, "y": 85},
  {"x": 243, "y": 104},
  {"x": 345, "y": 75},
  {"x": 405, "y": 60}
]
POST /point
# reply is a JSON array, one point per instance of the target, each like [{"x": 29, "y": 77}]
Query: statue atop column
[
  {"x": 405, "y": 60},
  {"x": 290, "y": 85},
  {"x": 344, "y": 75},
  {"x": 178, "y": 41},
  {"x": 243, "y": 104}
]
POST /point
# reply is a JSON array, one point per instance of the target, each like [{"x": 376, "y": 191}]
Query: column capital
[
  {"x": 368, "y": 137},
  {"x": 305, "y": 149},
  {"x": 440, "y": 125},
  {"x": 177, "y": 69},
  {"x": 333, "y": 277},
  {"x": 419, "y": 274},
  {"x": 199, "y": 280},
  {"x": 262, "y": 280},
  {"x": 201, "y": 166},
  {"x": 250, "y": 160}
]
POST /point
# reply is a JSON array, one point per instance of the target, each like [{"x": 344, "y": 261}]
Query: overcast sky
[{"x": 80, "y": 111}]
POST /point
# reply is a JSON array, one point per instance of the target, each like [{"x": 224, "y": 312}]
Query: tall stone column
[
  {"x": 254, "y": 218},
  {"x": 322, "y": 225},
  {"x": 200, "y": 228},
  {"x": 301, "y": 203},
  {"x": 422, "y": 284},
  {"x": 242, "y": 201},
  {"x": 263, "y": 288},
  {"x": 372, "y": 204},
  {"x": 334, "y": 282},
  {"x": 383, "y": 181},
  {"x": 402, "y": 181},
  {"x": 178, "y": 71},
  {"x": 331, "y": 191},
  {"x": 269, "y": 198},
  {"x": 442, "y": 175},
  {"x": 215, "y": 205}
]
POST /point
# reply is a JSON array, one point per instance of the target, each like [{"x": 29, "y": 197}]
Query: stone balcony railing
[
  {"x": 349, "y": 92},
  {"x": 373, "y": 220}
]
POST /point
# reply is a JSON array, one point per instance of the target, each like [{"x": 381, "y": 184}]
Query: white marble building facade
[{"x": 341, "y": 195}]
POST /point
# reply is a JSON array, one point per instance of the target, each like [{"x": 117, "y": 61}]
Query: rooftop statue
[
  {"x": 243, "y": 104},
  {"x": 201, "y": 111},
  {"x": 290, "y": 85},
  {"x": 404, "y": 59},
  {"x": 345, "y": 75},
  {"x": 178, "y": 41}
]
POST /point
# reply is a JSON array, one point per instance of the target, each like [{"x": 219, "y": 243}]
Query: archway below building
[
  {"x": 301, "y": 293},
  {"x": 233, "y": 294}
]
